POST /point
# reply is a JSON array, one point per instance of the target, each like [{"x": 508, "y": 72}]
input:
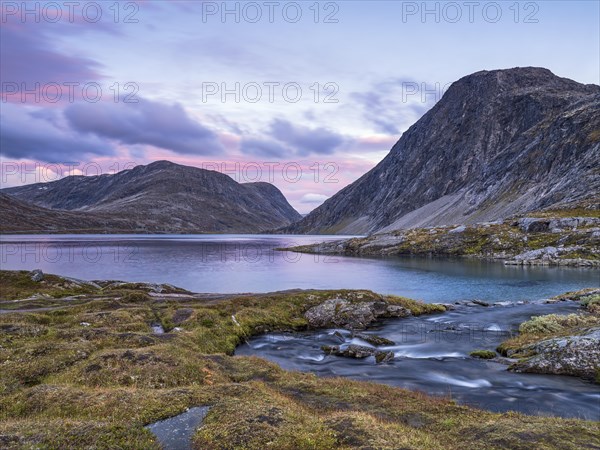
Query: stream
[{"x": 431, "y": 354}]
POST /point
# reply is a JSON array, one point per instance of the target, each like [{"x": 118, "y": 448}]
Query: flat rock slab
[{"x": 175, "y": 433}]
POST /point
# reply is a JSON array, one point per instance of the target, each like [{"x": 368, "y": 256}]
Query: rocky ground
[
  {"x": 90, "y": 364},
  {"x": 561, "y": 345},
  {"x": 538, "y": 240}
]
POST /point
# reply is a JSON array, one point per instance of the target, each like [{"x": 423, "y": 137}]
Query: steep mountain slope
[
  {"x": 498, "y": 143},
  {"x": 21, "y": 217},
  {"x": 168, "y": 197}
]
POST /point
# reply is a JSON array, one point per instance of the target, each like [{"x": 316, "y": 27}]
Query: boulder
[
  {"x": 181, "y": 315},
  {"x": 341, "y": 313},
  {"x": 358, "y": 352},
  {"x": 577, "y": 355},
  {"x": 534, "y": 225},
  {"x": 537, "y": 225},
  {"x": 373, "y": 339},
  {"x": 36, "y": 275}
]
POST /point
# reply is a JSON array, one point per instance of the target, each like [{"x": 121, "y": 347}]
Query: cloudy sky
[{"x": 307, "y": 95}]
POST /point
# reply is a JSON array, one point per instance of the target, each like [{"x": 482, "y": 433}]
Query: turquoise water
[{"x": 250, "y": 263}]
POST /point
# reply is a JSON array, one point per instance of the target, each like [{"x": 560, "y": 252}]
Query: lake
[{"x": 250, "y": 263}]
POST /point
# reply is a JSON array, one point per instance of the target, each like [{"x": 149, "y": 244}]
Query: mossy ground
[
  {"x": 90, "y": 374},
  {"x": 483, "y": 354},
  {"x": 549, "y": 326}
]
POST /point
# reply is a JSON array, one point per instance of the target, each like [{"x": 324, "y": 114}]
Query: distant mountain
[
  {"x": 498, "y": 143},
  {"x": 22, "y": 217},
  {"x": 164, "y": 197}
]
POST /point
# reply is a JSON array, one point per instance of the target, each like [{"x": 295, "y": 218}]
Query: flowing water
[{"x": 431, "y": 352}]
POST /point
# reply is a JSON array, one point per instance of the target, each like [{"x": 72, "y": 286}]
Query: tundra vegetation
[
  {"x": 82, "y": 366},
  {"x": 545, "y": 238},
  {"x": 560, "y": 344}
]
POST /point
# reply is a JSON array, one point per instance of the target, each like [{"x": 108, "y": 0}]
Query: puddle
[
  {"x": 157, "y": 328},
  {"x": 175, "y": 433}
]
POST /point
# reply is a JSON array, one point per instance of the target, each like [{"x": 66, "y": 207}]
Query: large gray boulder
[
  {"x": 577, "y": 355},
  {"x": 36, "y": 275},
  {"x": 341, "y": 313},
  {"x": 359, "y": 352}
]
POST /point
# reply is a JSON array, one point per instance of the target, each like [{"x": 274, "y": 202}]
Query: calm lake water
[
  {"x": 431, "y": 352},
  {"x": 250, "y": 263}
]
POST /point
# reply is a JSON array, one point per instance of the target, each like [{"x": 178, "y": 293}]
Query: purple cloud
[
  {"x": 304, "y": 140},
  {"x": 264, "y": 147},
  {"x": 37, "y": 135},
  {"x": 393, "y": 105},
  {"x": 146, "y": 122},
  {"x": 28, "y": 58}
]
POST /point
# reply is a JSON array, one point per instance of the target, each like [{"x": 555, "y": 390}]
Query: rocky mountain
[
  {"x": 164, "y": 197},
  {"x": 498, "y": 143},
  {"x": 22, "y": 217}
]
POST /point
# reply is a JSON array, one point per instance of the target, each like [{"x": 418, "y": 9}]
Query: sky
[{"x": 306, "y": 95}]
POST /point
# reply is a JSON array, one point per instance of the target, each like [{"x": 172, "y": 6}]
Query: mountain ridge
[
  {"x": 498, "y": 143},
  {"x": 168, "y": 197}
]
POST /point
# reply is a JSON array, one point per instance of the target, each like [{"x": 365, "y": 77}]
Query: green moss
[{"x": 483, "y": 354}]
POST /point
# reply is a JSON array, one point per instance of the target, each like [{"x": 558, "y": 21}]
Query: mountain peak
[
  {"x": 162, "y": 164},
  {"x": 499, "y": 142},
  {"x": 518, "y": 80}
]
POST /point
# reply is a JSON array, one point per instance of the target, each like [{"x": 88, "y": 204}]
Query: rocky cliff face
[
  {"x": 166, "y": 197},
  {"x": 498, "y": 143}
]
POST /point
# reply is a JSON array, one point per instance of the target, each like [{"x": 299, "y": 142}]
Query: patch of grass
[
  {"x": 555, "y": 323},
  {"x": 415, "y": 307},
  {"x": 483, "y": 354},
  {"x": 136, "y": 297},
  {"x": 19, "y": 285},
  {"x": 591, "y": 303}
]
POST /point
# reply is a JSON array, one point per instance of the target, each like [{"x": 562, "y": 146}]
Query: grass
[
  {"x": 555, "y": 324},
  {"x": 91, "y": 374},
  {"x": 591, "y": 303},
  {"x": 549, "y": 326},
  {"x": 483, "y": 354}
]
